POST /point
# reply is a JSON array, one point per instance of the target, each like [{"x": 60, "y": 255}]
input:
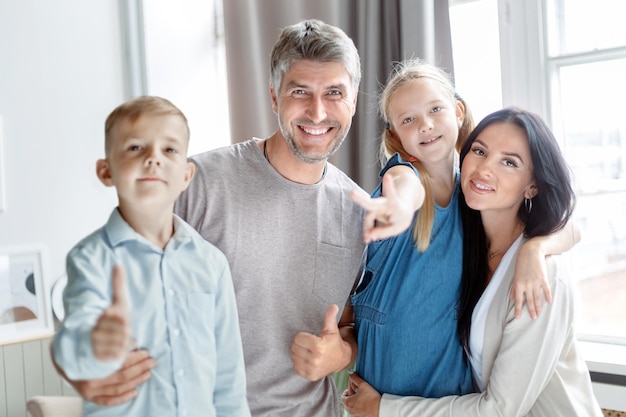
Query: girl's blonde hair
[{"x": 403, "y": 73}]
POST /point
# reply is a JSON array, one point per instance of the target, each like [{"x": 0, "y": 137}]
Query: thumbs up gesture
[
  {"x": 111, "y": 337},
  {"x": 314, "y": 356}
]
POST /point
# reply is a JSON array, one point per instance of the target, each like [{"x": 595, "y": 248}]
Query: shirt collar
[{"x": 119, "y": 231}]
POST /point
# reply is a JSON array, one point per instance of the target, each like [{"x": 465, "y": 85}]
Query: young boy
[{"x": 178, "y": 301}]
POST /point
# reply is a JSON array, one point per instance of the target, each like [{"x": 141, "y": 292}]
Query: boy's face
[{"x": 147, "y": 161}]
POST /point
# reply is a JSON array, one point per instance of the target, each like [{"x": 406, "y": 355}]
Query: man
[{"x": 285, "y": 220}]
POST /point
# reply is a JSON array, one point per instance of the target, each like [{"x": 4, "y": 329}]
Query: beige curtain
[{"x": 384, "y": 31}]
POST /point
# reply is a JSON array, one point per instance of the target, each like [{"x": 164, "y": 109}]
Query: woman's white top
[{"x": 479, "y": 316}]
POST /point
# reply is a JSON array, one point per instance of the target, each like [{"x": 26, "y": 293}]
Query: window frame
[{"x": 529, "y": 78}]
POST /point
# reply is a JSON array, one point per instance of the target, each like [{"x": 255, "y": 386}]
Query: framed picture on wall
[{"x": 25, "y": 311}]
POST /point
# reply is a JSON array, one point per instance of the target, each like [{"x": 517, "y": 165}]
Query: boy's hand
[{"x": 111, "y": 337}]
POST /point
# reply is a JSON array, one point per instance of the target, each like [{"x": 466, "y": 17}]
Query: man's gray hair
[{"x": 316, "y": 41}]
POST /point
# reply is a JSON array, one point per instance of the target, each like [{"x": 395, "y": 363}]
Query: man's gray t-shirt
[{"x": 293, "y": 249}]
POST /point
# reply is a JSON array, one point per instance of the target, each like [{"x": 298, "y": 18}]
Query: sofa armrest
[{"x": 52, "y": 406}]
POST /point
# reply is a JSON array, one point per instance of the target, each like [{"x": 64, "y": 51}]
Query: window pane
[
  {"x": 186, "y": 63},
  {"x": 583, "y": 25},
  {"x": 477, "y": 78},
  {"x": 591, "y": 105}
]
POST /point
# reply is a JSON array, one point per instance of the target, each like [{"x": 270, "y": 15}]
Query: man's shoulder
[
  {"x": 232, "y": 152},
  {"x": 341, "y": 178}
]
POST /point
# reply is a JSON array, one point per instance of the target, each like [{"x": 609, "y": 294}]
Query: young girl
[
  {"x": 406, "y": 304},
  {"x": 516, "y": 185}
]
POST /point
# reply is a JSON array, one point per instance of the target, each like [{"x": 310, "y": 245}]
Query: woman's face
[{"x": 497, "y": 172}]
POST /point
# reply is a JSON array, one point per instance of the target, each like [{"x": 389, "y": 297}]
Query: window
[
  {"x": 185, "y": 62},
  {"x": 477, "y": 80},
  {"x": 586, "y": 63},
  {"x": 566, "y": 60}
]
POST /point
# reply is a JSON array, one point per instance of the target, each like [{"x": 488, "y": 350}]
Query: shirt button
[
  {"x": 184, "y": 412},
  {"x": 170, "y": 292},
  {"x": 176, "y": 332},
  {"x": 181, "y": 372}
]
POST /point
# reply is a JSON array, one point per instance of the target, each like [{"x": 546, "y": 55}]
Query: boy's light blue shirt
[{"x": 183, "y": 312}]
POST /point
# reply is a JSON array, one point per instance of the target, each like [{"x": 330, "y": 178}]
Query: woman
[{"x": 516, "y": 186}]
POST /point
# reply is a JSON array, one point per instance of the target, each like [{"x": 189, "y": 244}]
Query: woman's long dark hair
[{"x": 551, "y": 207}]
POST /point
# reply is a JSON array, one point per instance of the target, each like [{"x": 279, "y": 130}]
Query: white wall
[{"x": 60, "y": 75}]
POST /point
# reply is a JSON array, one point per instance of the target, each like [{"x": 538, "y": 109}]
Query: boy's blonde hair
[
  {"x": 404, "y": 73},
  {"x": 136, "y": 107}
]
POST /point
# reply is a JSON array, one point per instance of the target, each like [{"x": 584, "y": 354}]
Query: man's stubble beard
[{"x": 289, "y": 134}]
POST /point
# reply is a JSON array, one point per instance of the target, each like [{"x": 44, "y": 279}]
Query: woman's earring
[{"x": 528, "y": 202}]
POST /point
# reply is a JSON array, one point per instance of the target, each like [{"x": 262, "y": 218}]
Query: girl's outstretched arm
[{"x": 391, "y": 213}]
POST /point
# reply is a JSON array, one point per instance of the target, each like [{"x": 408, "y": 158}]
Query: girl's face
[
  {"x": 425, "y": 120},
  {"x": 497, "y": 172}
]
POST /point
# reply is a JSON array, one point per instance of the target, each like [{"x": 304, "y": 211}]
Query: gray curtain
[{"x": 384, "y": 31}]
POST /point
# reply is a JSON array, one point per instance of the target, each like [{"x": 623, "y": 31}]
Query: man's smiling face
[{"x": 315, "y": 106}]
